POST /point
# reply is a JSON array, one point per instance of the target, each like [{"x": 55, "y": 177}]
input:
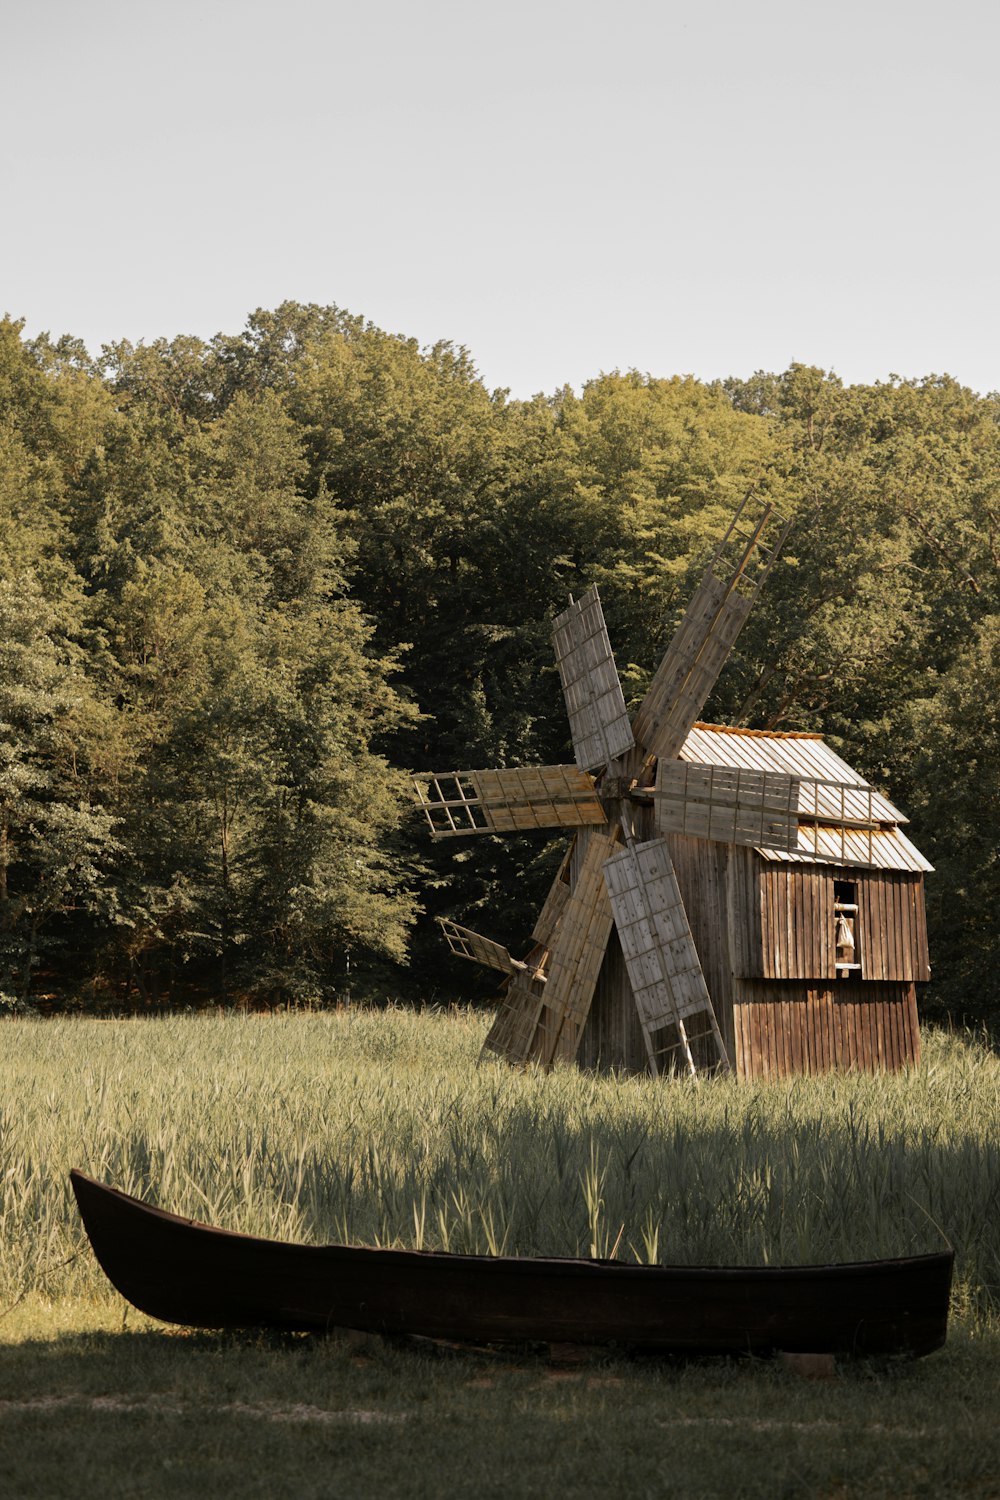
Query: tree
[
  {"x": 956, "y": 798},
  {"x": 57, "y": 841},
  {"x": 259, "y": 819}
]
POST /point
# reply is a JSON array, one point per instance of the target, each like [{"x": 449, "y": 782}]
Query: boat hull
[{"x": 180, "y": 1271}]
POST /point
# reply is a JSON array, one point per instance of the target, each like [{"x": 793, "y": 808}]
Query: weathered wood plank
[
  {"x": 514, "y": 1027},
  {"x": 598, "y": 720},
  {"x": 461, "y": 803},
  {"x": 896, "y": 1035},
  {"x": 729, "y": 805},
  {"x": 554, "y": 904},
  {"x": 660, "y": 955},
  {"x": 577, "y": 954}
]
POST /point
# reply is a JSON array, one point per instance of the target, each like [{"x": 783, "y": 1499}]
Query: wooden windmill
[{"x": 627, "y": 792}]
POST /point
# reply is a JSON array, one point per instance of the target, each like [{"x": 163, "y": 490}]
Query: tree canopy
[{"x": 249, "y": 582}]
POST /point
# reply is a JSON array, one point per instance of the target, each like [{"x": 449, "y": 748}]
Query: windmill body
[{"x": 704, "y": 915}]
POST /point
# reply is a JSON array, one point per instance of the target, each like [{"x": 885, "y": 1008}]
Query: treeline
[{"x": 246, "y": 582}]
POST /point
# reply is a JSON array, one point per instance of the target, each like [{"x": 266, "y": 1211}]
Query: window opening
[{"x": 845, "y": 914}]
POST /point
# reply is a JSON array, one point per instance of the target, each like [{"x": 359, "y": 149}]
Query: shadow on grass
[{"x": 148, "y": 1411}]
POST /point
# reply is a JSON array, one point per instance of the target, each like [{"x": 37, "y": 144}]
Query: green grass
[
  {"x": 378, "y": 1127},
  {"x": 88, "y": 1409}
]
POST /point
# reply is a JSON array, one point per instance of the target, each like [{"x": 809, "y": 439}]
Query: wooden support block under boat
[{"x": 184, "y": 1272}]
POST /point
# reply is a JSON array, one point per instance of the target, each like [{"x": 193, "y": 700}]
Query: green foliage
[
  {"x": 956, "y": 734},
  {"x": 56, "y": 839},
  {"x": 283, "y": 564},
  {"x": 182, "y": 601}
]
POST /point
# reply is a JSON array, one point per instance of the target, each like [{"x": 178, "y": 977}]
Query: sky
[{"x": 562, "y": 188}]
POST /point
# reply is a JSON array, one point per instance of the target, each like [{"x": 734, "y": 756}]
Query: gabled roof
[{"x": 824, "y": 809}]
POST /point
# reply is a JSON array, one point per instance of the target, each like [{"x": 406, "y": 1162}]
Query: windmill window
[{"x": 845, "y": 916}]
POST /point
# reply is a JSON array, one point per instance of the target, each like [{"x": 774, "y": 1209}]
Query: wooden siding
[
  {"x": 792, "y": 1028},
  {"x": 892, "y": 927},
  {"x": 612, "y": 1037},
  {"x": 797, "y": 927},
  {"x": 744, "y": 908},
  {"x": 797, "y": 923},
  {"x": 746, "y": 913}
]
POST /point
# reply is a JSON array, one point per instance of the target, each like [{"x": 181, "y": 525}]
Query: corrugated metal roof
[
  {"x": 808, "y": 756},
  {"x": 794, "y": 755}
]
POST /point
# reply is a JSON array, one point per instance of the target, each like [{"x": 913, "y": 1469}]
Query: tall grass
[{"x": 378, "y": 1128}]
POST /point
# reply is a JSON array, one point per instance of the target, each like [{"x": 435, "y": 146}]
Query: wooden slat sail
[
  {"x": 662, "y": 962},
  {"x": 554, "y": 905},
  {"x": 515, "y": 1025},
  {"x": 690, "y": 669},
  {"x": 845, "y": 804},
  {"x": 703, "y": 640},
  {"x": 737, "y": 806},
  {"x": 456, "y": 803},
  {"x": 516, "y": 1021},
  {"x": 465, "y": 943},
  {"x": 655, "y": 935},
  {"x": 577, "y": 954},
  {"x": 595, "y": 703}
]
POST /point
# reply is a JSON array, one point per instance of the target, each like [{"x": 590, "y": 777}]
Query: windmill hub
[{"x": 615, "y": 789}]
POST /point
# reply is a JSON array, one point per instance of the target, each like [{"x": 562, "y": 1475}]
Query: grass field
[{"x": 377, "y": 1127}]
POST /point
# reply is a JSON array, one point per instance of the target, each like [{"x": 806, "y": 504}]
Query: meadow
[{"x": 376, "y": 1127}]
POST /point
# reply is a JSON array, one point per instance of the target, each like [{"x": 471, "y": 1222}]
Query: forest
[{"x": 249, "y": 583}]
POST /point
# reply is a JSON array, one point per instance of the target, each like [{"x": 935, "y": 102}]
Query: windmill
[{"x": 627, "y": 791}]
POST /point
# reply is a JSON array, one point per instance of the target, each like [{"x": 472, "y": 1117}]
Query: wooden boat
[{"x": 185, "y": 1272}]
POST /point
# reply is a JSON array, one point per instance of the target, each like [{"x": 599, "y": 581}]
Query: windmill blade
[
  {"x": 706, "y": 634},
  {"x": 690, "y": 669},
  {"x": 732, "y": 805},
  {"x": 548, "y": 919},
  {"x": 576, "y": 957},
  {"x": 598, "y": 721},
  {"x": 466, "y": 802},
  {"x": 662, "y": 961},
  {"x": 465, "y": 943},
  {"x": 516, "y": 1021}
]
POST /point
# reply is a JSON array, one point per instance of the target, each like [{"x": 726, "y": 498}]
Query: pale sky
[{"x": 564, "y": 188}]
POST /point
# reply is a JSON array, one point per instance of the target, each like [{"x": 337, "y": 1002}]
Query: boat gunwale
[{"x": 522, "y": 1264}]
